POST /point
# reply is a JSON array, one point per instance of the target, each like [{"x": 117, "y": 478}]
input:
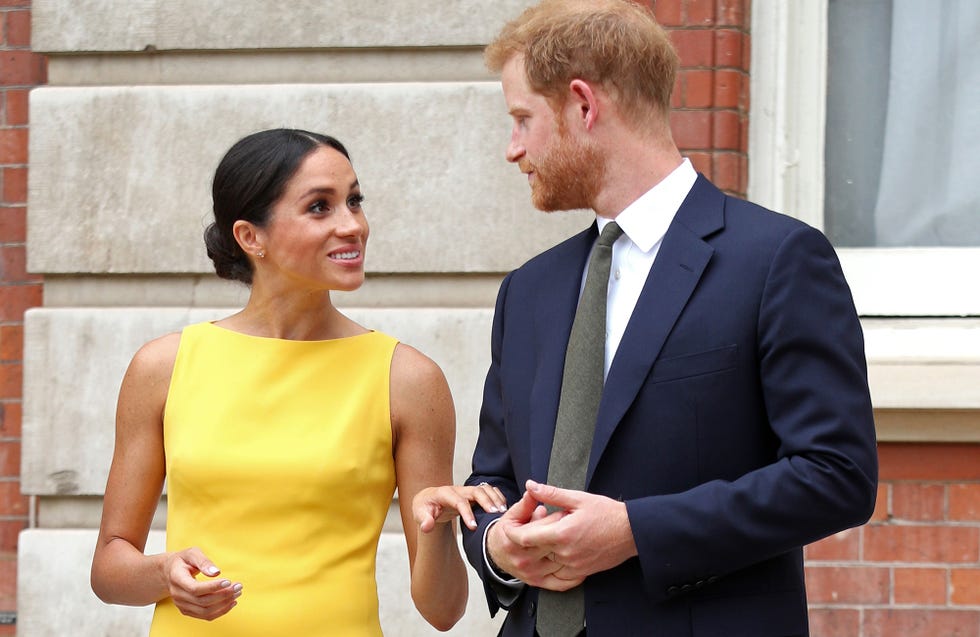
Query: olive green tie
[{"x": 563, "y": 614}]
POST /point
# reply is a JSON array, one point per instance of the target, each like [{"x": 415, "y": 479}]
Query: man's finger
[
  {"x": 540, "y": 533},
  {"x": 522, "y": 510},
  {"x": 553, "y": 496},
  {"x": 540, "y": 513},
  {"x": 553, "y": 583}
]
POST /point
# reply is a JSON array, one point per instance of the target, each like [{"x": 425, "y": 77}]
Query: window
[
  {"x": 903, "y": 123},
  {"x": 865, "y": 123}
]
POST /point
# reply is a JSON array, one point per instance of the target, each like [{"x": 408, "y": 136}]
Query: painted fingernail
[
  {"x": 225, "y": 583},
  {"x": 238, "y": 588},
  {"x": 211, "y": 570}
]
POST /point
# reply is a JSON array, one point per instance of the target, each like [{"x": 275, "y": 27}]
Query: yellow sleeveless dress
[{"x": 280, "y": 469}]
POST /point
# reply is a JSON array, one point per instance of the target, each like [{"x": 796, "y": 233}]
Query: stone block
[
  {"x": 80, "y": 355},
  {"x": 263, "y": 66},
  {"x": 77, "y": 26},
  {"x": 120, "y": 176},
  {"x": 923, "y": 363},
  {"x": 55, "y": 565}
]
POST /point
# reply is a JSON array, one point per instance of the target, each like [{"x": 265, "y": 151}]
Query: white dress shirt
[{"x": 644, "y": 223}]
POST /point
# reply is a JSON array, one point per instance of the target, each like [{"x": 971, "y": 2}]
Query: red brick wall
[
  {"x": 20, "y": 70},
  {"x": 711, "y": 97},
  {"x": 914, "y": 570}
]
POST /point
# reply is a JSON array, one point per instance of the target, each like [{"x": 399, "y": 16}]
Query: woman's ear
[
  {"x": 586, "y": 104},
  {"x": 247, "y": 236}
]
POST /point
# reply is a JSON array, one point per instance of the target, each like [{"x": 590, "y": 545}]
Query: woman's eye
[
  {"x": 355, "y": 201},
  {"x": 318, "y": 206}
]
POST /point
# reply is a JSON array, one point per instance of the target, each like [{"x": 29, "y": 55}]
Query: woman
[{"x": 283, "y": 429}]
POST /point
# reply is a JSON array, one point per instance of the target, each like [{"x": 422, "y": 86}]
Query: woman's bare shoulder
[
  {"x": 411, "y": 370},
  {"x": 420, "y": 395},
  {"x": 154, "y": 360}
]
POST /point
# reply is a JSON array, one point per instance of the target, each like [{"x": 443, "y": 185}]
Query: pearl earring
[{"x": 261, "y": 254}]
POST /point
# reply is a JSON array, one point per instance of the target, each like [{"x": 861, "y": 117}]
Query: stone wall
[{"x": 142, "y": 100}]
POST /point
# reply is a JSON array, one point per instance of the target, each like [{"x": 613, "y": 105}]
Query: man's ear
[
  {"x": 585, "y": 101},
  {"x": 247, "y": 236}
]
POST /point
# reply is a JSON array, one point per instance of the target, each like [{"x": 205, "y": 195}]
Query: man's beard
[{"x": 567, "y": 177}]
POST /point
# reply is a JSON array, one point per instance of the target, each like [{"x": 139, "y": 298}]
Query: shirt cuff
[{"x": 508, "y": 590}]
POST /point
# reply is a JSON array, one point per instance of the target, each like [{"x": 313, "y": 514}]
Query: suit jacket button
[
  {"x": 531, "y": 607},
  {"x": 686, "y": 588},
  {"x": 699, "y": 583},
  {"x": 673, "y": 590}
]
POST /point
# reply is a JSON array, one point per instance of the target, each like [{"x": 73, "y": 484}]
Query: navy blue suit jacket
[{"x": 735, "y": 422}]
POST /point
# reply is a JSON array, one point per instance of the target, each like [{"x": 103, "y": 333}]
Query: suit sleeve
[
  {"x": 491, "y": 459},
  {"x": 823, "y": 478}
]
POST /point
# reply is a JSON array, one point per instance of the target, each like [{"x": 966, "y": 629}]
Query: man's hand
[
  {"x": 530, "y": 564},
  {"x": 587, "y": 534}
]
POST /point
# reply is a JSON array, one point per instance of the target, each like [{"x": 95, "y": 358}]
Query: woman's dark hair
[{"x": 250, "y": 178}]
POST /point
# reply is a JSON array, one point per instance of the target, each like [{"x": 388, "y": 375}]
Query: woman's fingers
[
  {"x": 203, "y": 599},
  {"x": 490, "y": 498},
  {"x": 441, "y": 504}
]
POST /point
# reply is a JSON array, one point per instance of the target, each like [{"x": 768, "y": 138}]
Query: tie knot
[{"x": 610, "y": 233}]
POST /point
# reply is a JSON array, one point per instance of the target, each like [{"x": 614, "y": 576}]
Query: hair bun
[{"x": 229, "y": 261}]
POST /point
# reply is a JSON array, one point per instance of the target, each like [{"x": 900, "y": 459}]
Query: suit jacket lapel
[
  {"x": 556, "y": 303},
  {"x": 676, "y": 271}
]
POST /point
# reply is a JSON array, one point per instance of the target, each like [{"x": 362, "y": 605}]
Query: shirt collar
[{"x": 645, "y": 221}]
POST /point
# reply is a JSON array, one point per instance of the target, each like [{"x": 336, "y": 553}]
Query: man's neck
[{"x": 632, "y": 169}]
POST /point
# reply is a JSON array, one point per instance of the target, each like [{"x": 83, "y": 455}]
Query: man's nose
[{"x": 515, "y": 150}]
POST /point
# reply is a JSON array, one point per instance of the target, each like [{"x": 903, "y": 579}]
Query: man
[{"x": 734, "y": 425}]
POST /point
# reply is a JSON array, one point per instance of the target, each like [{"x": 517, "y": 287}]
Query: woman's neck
[{"x": 306, "y": 316}]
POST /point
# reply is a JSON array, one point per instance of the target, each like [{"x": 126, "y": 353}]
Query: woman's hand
[
  {"x": 202, "y": 599},
  {"x": 438, "y": 505}
]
